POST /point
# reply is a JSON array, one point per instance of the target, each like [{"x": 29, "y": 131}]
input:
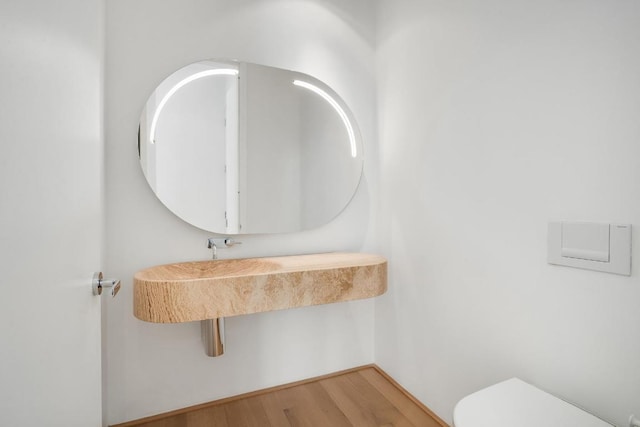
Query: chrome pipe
[{"x": 213, "y": 336}]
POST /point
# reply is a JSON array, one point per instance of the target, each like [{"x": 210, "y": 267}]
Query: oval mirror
[{"x": 237, "y": 148}]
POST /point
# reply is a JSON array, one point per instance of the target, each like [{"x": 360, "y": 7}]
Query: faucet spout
[
  {"x": 211, "y": 244},
  {"x": 222, "y": 243}
]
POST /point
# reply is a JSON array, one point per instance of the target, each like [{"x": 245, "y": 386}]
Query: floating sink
[{"x": 202, "y": 290}]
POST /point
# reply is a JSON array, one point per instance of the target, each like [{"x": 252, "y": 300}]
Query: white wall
[
  {"x": 155, "y": 367},
  {"x": 496, "y": 117}
]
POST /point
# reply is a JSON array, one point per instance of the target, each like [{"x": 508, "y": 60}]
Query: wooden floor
[{"x": 360, "y": 397}]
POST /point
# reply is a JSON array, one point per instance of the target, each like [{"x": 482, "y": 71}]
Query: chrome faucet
[
  {"x": 214, "y": 244},
  {"x": 211, "y": 244}
]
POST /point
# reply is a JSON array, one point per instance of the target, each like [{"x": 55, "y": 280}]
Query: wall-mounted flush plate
[{"x": 592, "y": 246}]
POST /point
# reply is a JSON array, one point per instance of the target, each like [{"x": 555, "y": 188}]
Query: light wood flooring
[{"x": 359, "y": 397}]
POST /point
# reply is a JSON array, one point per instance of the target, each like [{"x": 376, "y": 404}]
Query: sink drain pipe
[{"x": 213, "y": 336}]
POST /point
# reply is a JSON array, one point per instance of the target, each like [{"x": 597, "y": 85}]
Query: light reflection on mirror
[
  {"x": 339, "y": 110},
  {"x": 174, "y": 89},
  {"x": 233, "y": 147}
]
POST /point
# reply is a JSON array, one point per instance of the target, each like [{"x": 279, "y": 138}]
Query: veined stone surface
[{"x": 201, "y": 290}]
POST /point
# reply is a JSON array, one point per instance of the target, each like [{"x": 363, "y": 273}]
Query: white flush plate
[{"x": 592, "y": 246}]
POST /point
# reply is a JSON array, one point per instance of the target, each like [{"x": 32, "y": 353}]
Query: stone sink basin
[{"x": 201, "y": 290}]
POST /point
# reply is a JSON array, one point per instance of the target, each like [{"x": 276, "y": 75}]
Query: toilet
[{"x": 514, "y": 403}]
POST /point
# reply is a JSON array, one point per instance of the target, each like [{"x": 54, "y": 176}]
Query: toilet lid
[{"x": 514, "y": 403}]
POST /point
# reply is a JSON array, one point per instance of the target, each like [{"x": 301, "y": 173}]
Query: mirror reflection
[{"x": 234, "y": 147}]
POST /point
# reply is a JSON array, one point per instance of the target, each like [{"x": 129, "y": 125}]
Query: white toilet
[{"x": 514, "y": 403}]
